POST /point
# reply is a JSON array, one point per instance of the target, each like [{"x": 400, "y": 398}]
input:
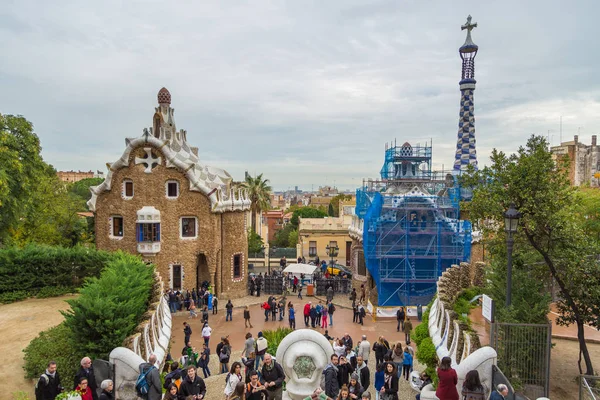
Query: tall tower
[{"x": 466, "y": 153}]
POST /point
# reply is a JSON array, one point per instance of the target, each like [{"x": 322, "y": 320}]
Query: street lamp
[
  {"x": 332, "y": 251},
  {"x": 511, "y": 222}
]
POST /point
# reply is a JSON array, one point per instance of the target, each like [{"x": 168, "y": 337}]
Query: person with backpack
[
  {"x": 187, "y": 332},
  {"x": 48, "y": 386},
  {"x": 329, "y": 378},
  {"x": 205, "y": 360},
  {"x": 193, "y": 385},
  {"x": 254, "y": 389},
  {"x": 260, "y": 349},
  {"x": 224, "y": 353},
  {"x": 148, "y": 384},
  {"x": 229, "y": 309},
  {"x": 273, "y": 376},
  {"x": 330, "y": 311},
  {"x": 234, "y": 376}
]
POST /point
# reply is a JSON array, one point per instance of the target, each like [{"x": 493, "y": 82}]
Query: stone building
[
  {"x": 315, "y": 234},
  {"x": 584, "y": 161},
  {"x": 75, "y": 176},
  {"x": 158, "y": 200}
]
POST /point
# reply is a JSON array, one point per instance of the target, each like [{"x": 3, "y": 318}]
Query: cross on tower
[
  {"x": 148, "y": 160},
  {"x": 469, "y": 26}
]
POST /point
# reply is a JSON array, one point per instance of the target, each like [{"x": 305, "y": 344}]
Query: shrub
[
  {"x": 11, "y": 297},
  {"x": 426, "y": 353},
  {"x": 50, "y": 291},
  {"x": 35, "y": 267},
  {"x": 274, "y": 338},
  {"x": 110, "y": 307},
  {"x": 53, "y": 344},
  {"x": 420, "y": 333}
]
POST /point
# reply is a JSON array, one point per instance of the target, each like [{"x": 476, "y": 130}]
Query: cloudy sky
[{"x": 306, "y": 92}]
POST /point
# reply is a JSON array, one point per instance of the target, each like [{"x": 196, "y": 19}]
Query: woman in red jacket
[
  {"x": 446, "y": 389},
  {"x": 83, "y": 389}
]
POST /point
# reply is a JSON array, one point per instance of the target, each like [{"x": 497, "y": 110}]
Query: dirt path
[
  {"x": 564, "y": 370},
  {"x": 20, "y": 323}
]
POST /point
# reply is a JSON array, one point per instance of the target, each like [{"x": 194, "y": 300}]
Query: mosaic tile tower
[{"x": 466, "y": 153}]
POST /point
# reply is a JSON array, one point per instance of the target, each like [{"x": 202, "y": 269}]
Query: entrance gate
[{"x": 524, "y": 356}]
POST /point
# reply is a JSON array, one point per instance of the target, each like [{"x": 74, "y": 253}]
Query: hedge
[
  {"x": 110, "y": 307},
  {"x": 26, "y": 271}
]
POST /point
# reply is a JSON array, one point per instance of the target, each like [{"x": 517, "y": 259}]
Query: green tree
[
  {"x": 330, "y": 210},
  {"x": 82, "y": 188},
  {"x": 255, "y": 242},
  {"x": 259, "y": 192},
  {"x": 282, "y": 236},
  {"x": 21, "y": 170},
  {"x": 306, "y": 212},
  {"x": 335, "y": 203},
  {"x": 550, "y": 226}
]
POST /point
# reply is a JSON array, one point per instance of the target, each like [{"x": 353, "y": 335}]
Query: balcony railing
[{"x": 148, "y": 247}]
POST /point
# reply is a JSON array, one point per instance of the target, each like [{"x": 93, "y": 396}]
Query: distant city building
[
  {"x": 185, "y": 217},
  {"x": 315, "y": 234},
  {"x": 75, "y": 176},
  {"x": 327, "y": 191},
  {"x": 320, "y": 201},
  {"x": 272, "y": 222},
  {"x": 584, "y": 166}
]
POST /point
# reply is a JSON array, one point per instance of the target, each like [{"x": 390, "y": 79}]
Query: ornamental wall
[{"x": 150, "y": 190}]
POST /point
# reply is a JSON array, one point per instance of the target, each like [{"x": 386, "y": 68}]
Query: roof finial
[{"x": 469, "y": 27}]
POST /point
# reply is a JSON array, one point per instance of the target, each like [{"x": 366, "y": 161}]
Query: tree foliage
[
  {"x": 259, "y": 192},
  {"x": 285, "y": 237},
  {"x": 551, "y": 226},
  {"x": 82, "y": 188},
  {"x": 306, "y": 212},
  {"x": 335, "y": 203},
  {"x": 111, "y": 306},
  {"x": 255, "y": 242}
]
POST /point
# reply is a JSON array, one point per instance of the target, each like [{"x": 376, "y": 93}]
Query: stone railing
[
  {"x": 151, "y": 336},
  {"x": 451, "y": 337}
]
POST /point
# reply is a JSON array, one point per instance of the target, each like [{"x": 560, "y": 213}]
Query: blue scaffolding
[{"x": 412, "y": 231}]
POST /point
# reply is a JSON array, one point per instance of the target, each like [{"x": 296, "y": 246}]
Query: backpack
[
  {"x": 331, "y": 308},
  {"x": 38, "y": 388},
  {"x": 142, "y": 387}
]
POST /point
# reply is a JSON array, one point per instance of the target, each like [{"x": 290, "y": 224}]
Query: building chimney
[
  {"x": 576, "y": 139},
  {"x": 593, "y": 140}
]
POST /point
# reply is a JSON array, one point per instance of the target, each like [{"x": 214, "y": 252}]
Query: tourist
[
  {"x": 247, "y": 317},
  {"x": 407, "y": 329},
  {"x": 252, "y": 286},
  {"x": 172, "y": 393},
  {"x": 107, "y": 390},
  {"x": 204, "y": 360},
  {"x": 281, "y": 307},
  {"x": 354, "y": 312},
  {"x": 379, "y": 379},
  {"x": 448, "y": 379},
  {"x": 292, "y": 316},
  {"x": 330, "y": 311},
  {"x": 500, "y": 393},
  {"x": 248, "y": 345},
  {"x": 260, "y": 349},
  {"x": 389, "y": 390},
  {"x": 84, "y": 390},
  {"x": 364, "y": 349},
  {"x": 152, "y": 377},
  {"x": 229, "y": 308},
  {"x": 362, "y": 370},
  {"x": 254, "y": 389},
  {"x": 306, "y": 313},
  {"x": 258, "y": 284},
  {"x": 313, "y": 316},
  {"x": 472, "y": 389},
  {"x": 295, "y": 284},
  {"x": 400, "y": 316},
  {"x": 174, "y": 374},
  {"x": 344, "y": 393},
  {"x": 206, "y": 332},
  {"x": 193, "y": 309},
  {"x": 351, "y": 357},
  {"x": 344, "y": 370},
  {"x": 363, "y": 293},
  {"x": 338, "y": 347},
  {"x": 330, "y": 294},
  {"x": 187, "y": 332},
  {"x": 238, "y": 392},
  {"x": 87, "y": 371},
  {"x": 425, "y": 380},
  {"x": 273, "y": 309},
  {"x": 353, "y": 296},
  {"x": 172, "y": 301},
  {"x": 398, "y": 357},
  {"x": 324, "y": 320},
  {"x": 361, "y": 313},
  {"x": 366, "y": 396},
  {"x": 273, "y": 375},
  {"x": 184, "y": 353},
  {"x": 224, "y": 352},
  {"x": 380, "y": 347},
  {"x": 205, "y": 314},
  {"x": 407, "y": 364},
  {"x": 319, "y": 310},
  {"x": 332, "y": 385},
  {"x": 282, "y": 263},
  {"x": 215, "y": 305},
  {"x": 354, "y": 388},
  {"x": 233, "y": 378},
  {"x": 193, "y": 385},
  {"x": 266, "y": 306},
  {"x": 326, "y": 334},
  {"x": 348, "y": 342},
  {"x": 300, "y": 291},
  {"x": 49, "y": 383}
]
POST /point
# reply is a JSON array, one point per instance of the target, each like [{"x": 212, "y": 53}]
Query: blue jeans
[
  {"x": 281, "y": 314},
  {"x": 330, "y": 319},
  {"x": 206, "y": 372},
  {"x": 172, "y": 307},
  {"x": 229, "y": 315},
  {"x": 258, "y": 360},
  {"x": 224, "y": 368}
]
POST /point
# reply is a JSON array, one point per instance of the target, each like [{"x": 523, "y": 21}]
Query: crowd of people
[{"x": 258, "y": 376}]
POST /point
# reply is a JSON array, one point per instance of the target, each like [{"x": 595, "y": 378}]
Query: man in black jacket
[
  {"x": 152, "y": 377},
  {"x": 344, "y": 371},
  {"x": 273, "y": 376},
  {"x": 87, "y": 371},
  {"x": 193, "y": 385},
  {"x": 332, "y": 385},
  {"x": 49, "y": 384},
  {"x": 187, "y": 332},
  {"x": 364, "y": 375}
]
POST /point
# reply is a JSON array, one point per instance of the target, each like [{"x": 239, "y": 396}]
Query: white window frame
[
  {"x": 124, "y": 191},
  {"x": 181, "y": 228},
  {"x": 167, "y": 189},
  {"x": 111, "y": 227}
]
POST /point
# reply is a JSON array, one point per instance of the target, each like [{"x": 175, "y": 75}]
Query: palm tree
[{"x": 258, "y": 191}]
